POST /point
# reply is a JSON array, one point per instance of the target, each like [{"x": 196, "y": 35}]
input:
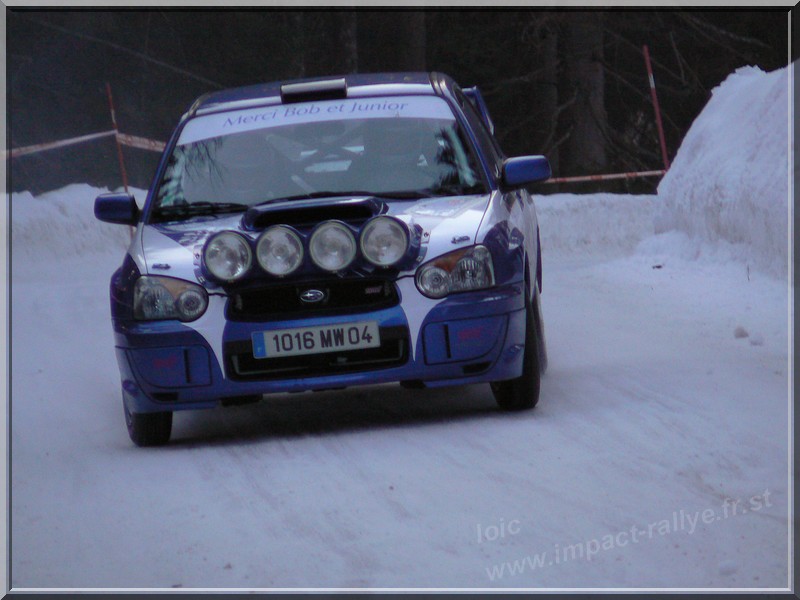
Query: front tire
[
  {"x": 148, "y": 429},
  {"x": 522, "y": 393}
]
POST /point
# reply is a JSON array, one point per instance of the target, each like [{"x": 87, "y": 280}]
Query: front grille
[
  {"x": 240, "y": 363},
  {"x": 340, "y": 296}
]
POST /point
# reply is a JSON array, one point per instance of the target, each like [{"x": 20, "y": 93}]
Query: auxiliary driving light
[
  {"x": 228, "y": 256},
  {"x": 332, "y": 246},
  {"x": 384, "y": 241},
  {"x": 279, "y": 250}
]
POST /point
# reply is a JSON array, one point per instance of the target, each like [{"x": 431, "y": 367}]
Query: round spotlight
[
  {"x": 227, "y": 256},
  {"x": 332, "y": 246},
  {"x": 384, "y": 241},
  {"x": 279, "y": 250}
]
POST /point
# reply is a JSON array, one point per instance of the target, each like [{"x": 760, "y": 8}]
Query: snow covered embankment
[
  {"x": 724, "y": 198},
  {"x": 62, "y": 224},
  {"x": 727, "y": 192},
  {"x": 593, "y": 226}
]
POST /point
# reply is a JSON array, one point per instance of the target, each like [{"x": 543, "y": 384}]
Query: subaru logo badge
[{"x": 312, "y": 296}]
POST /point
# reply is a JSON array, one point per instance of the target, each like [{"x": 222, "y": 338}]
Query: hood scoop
[{"x": 308, "y": 213}]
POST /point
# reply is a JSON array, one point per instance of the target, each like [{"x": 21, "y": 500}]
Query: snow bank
[
  {"x": 727, "y": 191},
  {"x": 62, "y": 224},
  {"x": 593, "y": 225}
]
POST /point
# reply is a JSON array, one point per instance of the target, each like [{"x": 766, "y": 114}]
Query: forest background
[{"x": 570, "y": 84}]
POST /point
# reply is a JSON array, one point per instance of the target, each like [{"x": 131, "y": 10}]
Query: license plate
[{"x": 316, "y": 340}]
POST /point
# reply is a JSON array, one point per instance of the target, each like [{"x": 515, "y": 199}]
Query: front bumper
[{"x": 466, "y": 338}]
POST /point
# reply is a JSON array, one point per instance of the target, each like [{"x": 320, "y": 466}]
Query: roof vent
[{"x": 328, "y": 89}]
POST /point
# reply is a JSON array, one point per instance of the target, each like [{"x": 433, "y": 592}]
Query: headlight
[
  {"x": 332, "y": 246},
  {"x": 279, "y": 250},
  {"x": 384, "y": 241},
  {"x": 460, "y": 271},
  {"x": 227, "y": 256},
  {"x": 156, "y": 298}
]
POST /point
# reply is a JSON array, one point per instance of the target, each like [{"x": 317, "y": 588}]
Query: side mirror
[
  {"x": 522, "y": 170},
  {"x": 119, "y": 209}
]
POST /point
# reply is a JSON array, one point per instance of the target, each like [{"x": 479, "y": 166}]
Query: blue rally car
[{"x": 325, "y": 233}]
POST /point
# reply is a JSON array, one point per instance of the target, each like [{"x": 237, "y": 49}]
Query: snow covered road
[{"x": 652, "y": 412}]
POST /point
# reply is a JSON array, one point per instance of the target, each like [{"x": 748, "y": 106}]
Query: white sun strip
[{"x": 217, "y": 124}]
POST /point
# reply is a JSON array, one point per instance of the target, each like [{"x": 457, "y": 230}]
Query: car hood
[{"x": 175, "y": 249}]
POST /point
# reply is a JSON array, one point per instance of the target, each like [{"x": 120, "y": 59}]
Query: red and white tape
[
  {"x": 630, "y": 175},
  {"x": 134, "y": 141},
  {"x": 128, "y": 140},
  {"x": 33, "y": 149}
]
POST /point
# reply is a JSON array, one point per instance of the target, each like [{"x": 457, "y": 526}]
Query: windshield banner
[{"x": 224, "y": 123}]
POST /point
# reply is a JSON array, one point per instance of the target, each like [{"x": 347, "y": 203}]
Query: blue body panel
[{"x": 469, "y": 338}]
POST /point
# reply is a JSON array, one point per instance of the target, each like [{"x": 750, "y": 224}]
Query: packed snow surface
[{"x": 658, "y": 456}]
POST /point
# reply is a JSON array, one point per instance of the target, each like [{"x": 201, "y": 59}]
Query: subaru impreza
[{"x": 325, "y": 233}]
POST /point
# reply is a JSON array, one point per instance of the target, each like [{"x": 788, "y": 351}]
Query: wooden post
[
  {"x": 654, "y": 96},
  {"x": 116, "y": 137}
]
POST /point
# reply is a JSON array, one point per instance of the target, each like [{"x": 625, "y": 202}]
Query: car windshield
[{"x": 401, "y": 147}]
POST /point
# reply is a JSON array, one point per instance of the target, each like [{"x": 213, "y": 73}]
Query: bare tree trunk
[
  {"x": 348, "y": 41},
  {"x": 296, "y": 37},
  {"x": 548, "y": 93},
  {"x": 391, "y": 41},
  {"x": 584, "y": 151},
  {"x": 416, "y": 31}
]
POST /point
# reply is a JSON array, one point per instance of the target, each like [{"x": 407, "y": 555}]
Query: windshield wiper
[
  {"x": 406, "y": 195},
  {"x": 176, "y": 212},
  {"x": 395, "y": 195},
  {"x": 456, "y": 190},
  {"x": 313, "y": 195}
]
